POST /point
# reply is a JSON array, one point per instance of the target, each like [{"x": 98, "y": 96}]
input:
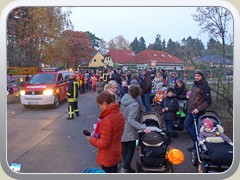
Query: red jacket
[{"x": 110, "y": 132}]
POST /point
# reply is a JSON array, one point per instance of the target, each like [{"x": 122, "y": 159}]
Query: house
[
  {"x": 96, "y": 60},
  {"x": 158, "y": 59},
  {"x": 120, "y": 58},
  {"x": 214, "y": 60}
]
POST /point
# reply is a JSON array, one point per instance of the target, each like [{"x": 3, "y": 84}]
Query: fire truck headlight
[
  {"x": 22, "y": 92},
  {"x": 48, "y": 92}
]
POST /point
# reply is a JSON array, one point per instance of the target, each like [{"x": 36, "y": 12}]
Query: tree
[
  {"x": 94, "y": 41},
  {"x": 79, "y": 47},
  {"x": 32, "y": 34},
  {"x": 214, "y": 20},
  {"x": 191, "y": 49},
  {"x": 173, "y": 48},
  {"x": 135, "y": 45},
  {"x": 142, "y": 44},
  {"x": 103, "y": 46},
  {"x": 119, "y": 42},
  {"x": 158, "y": 43}
]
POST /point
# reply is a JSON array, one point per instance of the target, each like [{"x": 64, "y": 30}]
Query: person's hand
[
  {"x": 147, "y": 130},
  {"x": 195, "y": 111},
  {"x": 202, "y": 142},
  {"x": 88, "y": 137}
]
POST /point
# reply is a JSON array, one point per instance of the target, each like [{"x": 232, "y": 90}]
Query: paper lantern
[{"x": 175, "y": 156}]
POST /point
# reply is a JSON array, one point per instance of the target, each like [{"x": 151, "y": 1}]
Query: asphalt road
[{"x": 45, "y": 142}]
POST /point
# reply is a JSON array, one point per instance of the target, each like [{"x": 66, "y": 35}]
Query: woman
[
  {"x": 130, "y": 109},
  {"x": 108, "y": 133},
  {"x": 157, "y": 82},
  {"x": 180, "y": 90},
  {"x": 111, "y": 87}
]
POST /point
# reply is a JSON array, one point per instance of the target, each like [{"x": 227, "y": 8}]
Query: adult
[
  {"x": 164, "y": 75},
  {"x": 180, "y": 89},
  {"x": 157, "y": 82},
  {"x": 27, "y": 78},
  {"x": 199, "y": 101},
  {"x": 109, "y": 131},
  {"x": 10, "y": 83},
  {"x": 111, "y": 87},
  {"x": 146, "y": 86},
  {"x": 130, "y": 109},
  {"x": 72, "y": 97}
]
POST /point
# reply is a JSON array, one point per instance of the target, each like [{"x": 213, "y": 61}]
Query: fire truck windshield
[{"x": 43, "y": 79}]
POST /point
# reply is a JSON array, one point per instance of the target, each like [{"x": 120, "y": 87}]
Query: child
[
  {"x": 210, "y": 131},
  {"x": 170, "y": 107}
]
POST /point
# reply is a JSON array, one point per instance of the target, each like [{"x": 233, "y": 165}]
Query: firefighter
[{"x": 72, "y": 96}]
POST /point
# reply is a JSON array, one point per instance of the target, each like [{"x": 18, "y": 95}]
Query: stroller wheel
[
  {"x": 137, "y": 167},
  {"x": 169, "y": 167},
  {"x": 194, "y": 157},
  {"x": 201, "y": 168}
]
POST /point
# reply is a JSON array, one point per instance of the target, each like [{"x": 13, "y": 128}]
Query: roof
[
  {"x": 121, "y": 56},
  {"x": 215, "y": 59},
  {"x": 147, "y": 56}
]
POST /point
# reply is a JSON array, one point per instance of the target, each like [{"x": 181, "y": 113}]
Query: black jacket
[
  {"x": 172, "y": 105},
  {"x": 180, "y": 93},
  {"x": 146, "y": 84},
  {"x": 72, "y": 92}
]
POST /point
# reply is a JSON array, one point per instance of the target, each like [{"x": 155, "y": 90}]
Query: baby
[{"x": 210, "y": 131}]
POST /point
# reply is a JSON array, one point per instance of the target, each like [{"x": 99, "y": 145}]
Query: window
[
  {"x": 94, "y": 60},
  {"x": 163, "y": 55}
]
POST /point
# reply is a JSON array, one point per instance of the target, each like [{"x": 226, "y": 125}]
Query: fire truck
[{"x": 48, "y": 87}]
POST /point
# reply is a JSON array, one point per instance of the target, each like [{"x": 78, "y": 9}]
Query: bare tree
[
  {"x": 214, "y": 20},
  {"x": 119, "y": 42}
]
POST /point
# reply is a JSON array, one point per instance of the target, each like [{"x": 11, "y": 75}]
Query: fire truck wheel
[{"x": 56, "y": 102}]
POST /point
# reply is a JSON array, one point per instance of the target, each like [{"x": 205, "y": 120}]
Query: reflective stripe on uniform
[{"x": 71, "y": 113}]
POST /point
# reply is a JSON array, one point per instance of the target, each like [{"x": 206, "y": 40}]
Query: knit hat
[
  {"x": 170, "y": 89},
  {"x": 208, "y": 122},
  {"x": 124, "y": 83},
  {"x": 199, "y": 72},
  {"x": 134, "y": 81},
  {"x": 179, "y": 80}
]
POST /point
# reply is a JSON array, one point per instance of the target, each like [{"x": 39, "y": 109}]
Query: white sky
[{"x": 108, "y": 22}]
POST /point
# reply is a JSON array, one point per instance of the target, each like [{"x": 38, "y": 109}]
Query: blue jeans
[
  {"x": 169, "y": 126},
  {"x": 189, "y": 125},
  {"x": 146, "y": 102}
]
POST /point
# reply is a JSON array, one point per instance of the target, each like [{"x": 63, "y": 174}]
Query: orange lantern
[{"x": 175, "y": 156}]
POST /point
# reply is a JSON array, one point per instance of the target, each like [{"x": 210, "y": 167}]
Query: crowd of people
[{"x": 124, "y": 96}]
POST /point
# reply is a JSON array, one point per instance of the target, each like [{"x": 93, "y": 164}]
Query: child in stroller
[
  {"x": 214, "y": 151},
  {"x": 153, "y": 146}
]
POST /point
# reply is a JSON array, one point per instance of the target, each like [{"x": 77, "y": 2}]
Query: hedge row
[{"x": 22, "y": 70}]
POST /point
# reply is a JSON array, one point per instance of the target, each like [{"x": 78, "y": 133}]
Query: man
[
  {"x": 146, "y": 86},
  {"x": 199, "y": 101},
  {"x": 72, "y": 96}
]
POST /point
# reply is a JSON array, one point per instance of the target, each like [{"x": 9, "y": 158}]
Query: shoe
[
  {"x": 124, "y": 170},
  {"x": 131, "y": 170},
  {"x": 190, "y": 149},
  {"x": 69, "y": 118},
  {"x": 77, "y": 115}
]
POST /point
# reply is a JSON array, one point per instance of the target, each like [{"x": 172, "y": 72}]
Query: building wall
[
  {"x": 108, "y": 61},
  {"x": 96, "y": 61}
]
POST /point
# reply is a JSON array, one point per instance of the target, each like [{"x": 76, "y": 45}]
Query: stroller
[
  {"x": 180, "y": 115},
  {"x": 153, "y": 146},
  {"x": 219, "y": 154}
]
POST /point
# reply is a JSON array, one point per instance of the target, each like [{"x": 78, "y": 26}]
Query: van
[{"x": 48, "y": 87}]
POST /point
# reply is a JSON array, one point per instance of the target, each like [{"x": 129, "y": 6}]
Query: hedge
[{"x": 23, "y": 70}]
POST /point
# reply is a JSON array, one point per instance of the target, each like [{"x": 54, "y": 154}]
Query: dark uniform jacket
[
  {"x": 72, "y": 92},
  {"x": 200, "y": 97}
]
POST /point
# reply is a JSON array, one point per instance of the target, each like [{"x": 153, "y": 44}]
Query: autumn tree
[
  {"x": 119, "y": 42},
  {"x": 32, "y": 33},
  {"x": 214, "y": 20},
  {"x": 79, "y": 47},
  {"x": 103, "y": 47}
]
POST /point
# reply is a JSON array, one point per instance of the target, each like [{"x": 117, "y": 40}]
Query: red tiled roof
[
  {"x": 144, "y": 57},
  {"x": 147, "y": 56},
  {"x": 121, "y": 56}
]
